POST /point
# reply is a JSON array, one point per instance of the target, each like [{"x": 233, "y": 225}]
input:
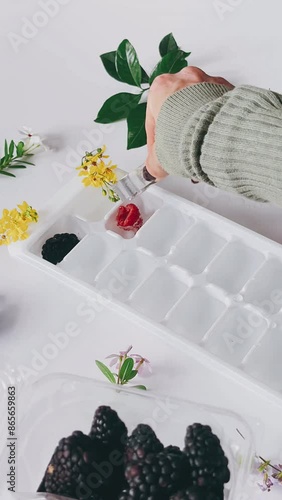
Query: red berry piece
[{"x": 129, "y": 217}]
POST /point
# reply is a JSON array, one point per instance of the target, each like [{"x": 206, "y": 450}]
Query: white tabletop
[{"x": 54, "y": 82}]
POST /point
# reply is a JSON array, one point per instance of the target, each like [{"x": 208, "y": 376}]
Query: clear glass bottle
[{"x": 133, "y": 183}]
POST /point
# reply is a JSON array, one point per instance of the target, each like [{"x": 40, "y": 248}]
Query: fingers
[
  {"x": 152, "y": 162},
  {"x": 150, "y": 126},
  {"x": 153, "y": 165},
  {"x": 196, "y": 75}
]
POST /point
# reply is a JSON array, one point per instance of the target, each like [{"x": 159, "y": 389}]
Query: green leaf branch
[
  {"x": 17, "y": 155},
  {"x": 14, "y": 157},
  {"x": 123, "y": 65}
]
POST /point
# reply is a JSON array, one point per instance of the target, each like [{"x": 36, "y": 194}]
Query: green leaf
[
  {"x": 144, "y": 76},
  {"x": 23, "y": 161},
  {"x": 117, "y": 107},
  {"x": 106, "y": 371},
  {"x": 3, "y": 172},
  {"x": 6, "y": 150},
  {"x": 109, "y": 62},
  {"x": 20, "y": 148},
  {"x": 141, "y": 387},
  {"x": 127, "y": 64},
  {"x": 170, "y": 63},
  {"x": 136, "y": 127},
  {"x": 126, "y": 370},
  {"x": 168, "y": 44},
  {"x": 11, "y": 149},
  {"x": 132, "y": 374},
  {"x": 17, "y": 166}
]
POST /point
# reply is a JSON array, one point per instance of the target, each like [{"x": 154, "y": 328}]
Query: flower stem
[
  {"x": 269, "y": 465},
  {"x": 121, "y": 359},
  {"x": 139, "y": 364}
]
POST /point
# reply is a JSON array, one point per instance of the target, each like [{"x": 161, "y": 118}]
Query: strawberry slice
[{"x": 129, "y": 217}]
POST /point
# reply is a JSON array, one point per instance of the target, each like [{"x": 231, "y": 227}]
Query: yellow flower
[
  {"x": 27, "y": 212},
  {"x": 14, "y": 224},
  {"x": 97, "y": 173}
]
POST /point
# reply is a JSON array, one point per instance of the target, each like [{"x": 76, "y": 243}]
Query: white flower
[
  {"x": 117, "y": 358},
  {"x": 142, "y": 365},
  {"x": 33, "y": 143}
]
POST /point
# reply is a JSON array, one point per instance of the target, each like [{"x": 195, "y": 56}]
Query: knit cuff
[
  {"x": 177, "y": 121},
  {"x": 242, "y": 151}
]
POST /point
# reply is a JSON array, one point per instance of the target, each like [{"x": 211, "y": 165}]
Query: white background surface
[{"x": 55, "y": 83}]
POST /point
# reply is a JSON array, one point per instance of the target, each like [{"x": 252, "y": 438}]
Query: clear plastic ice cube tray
[
  {"x": 192, "y": 276},
  {"x": 58, "y": 404}
]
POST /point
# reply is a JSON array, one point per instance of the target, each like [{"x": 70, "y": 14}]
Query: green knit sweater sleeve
[{"x": 229, "y": 139}]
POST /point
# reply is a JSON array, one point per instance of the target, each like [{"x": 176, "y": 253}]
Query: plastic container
[
  {"x": 191, "y": 276},
  {"x": 58, "y": 404}
]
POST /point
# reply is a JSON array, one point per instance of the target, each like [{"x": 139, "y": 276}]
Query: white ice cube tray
[{"x": 192, "y": 276}]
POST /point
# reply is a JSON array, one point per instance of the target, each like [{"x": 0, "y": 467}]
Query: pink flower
[
  {"x": 142, "y": 365},
  {"x": 117, "y": 358}
]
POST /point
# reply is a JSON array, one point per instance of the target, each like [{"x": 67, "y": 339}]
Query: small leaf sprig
[
  {"x": 14, "y": 223},
  {"x": 17, "y": 155},
  {"x": 271, "y": 474},
  {"x": 97, "y": 173},
  {"x": 123, "y": 65},
  {"x": 127, "y": 368}
]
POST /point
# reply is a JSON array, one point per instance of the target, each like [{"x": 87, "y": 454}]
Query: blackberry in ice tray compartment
[
  {"x": 125, "y": 273},
  {"x": 194, "y": 315},
  {"x": 235, "y": 334},
  {"x": 90, "y": 256},
  {"x": 67, "y": 224},
  {"x": 163, "y": 230},
  {"x": 264, "y": 363},
  {"x": 265, "y": 289},
  {"x": 197, "y": 249},
  {"x": 156, "y": 296},
  {"x": 234, "y": 266},
  {"x": 147, "y": 205}
]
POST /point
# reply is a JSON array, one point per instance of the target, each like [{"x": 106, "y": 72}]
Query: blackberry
[
  {"x": 172, "y": 449},
  {"x": 158, "y": 476},
  {"x": 108, "y": 428},
  {"x": 142, "y": 441},
  {"x": 66, "y": 465},
  {"x": 57, "y": 247},
  {"x": 111, "y": 433},
  {"x": 208, "y": 463},
  {"x": 136, "y": 494},
  {"x": 196, "y": 493},
  {"x": 75, "y": 470}
]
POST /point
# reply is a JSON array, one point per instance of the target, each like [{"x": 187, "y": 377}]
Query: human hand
[{"x": 162, "y": 88}]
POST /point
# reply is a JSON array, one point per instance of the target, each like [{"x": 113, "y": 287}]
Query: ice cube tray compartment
[
  {"x": 65, "y": 224},
  {"x": 125, "y": 273},
  {"x": 189, "y": 275},
  {"x": 235, "y": 334},
  {"x": 197, "y": 249},
  {"x": 147, "y": 204},
  {"x": 91, "y": 254},
  {"x": 157, "y": 295},
  {"x": 195, "y": 313},
  {"x": 155, "y": 236},
  {"x": 234, "y": 266},
  {"x": 89, "y": 207},
  {"x": 267, "y": 354},
  {"x": 265, "y": 289}
]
